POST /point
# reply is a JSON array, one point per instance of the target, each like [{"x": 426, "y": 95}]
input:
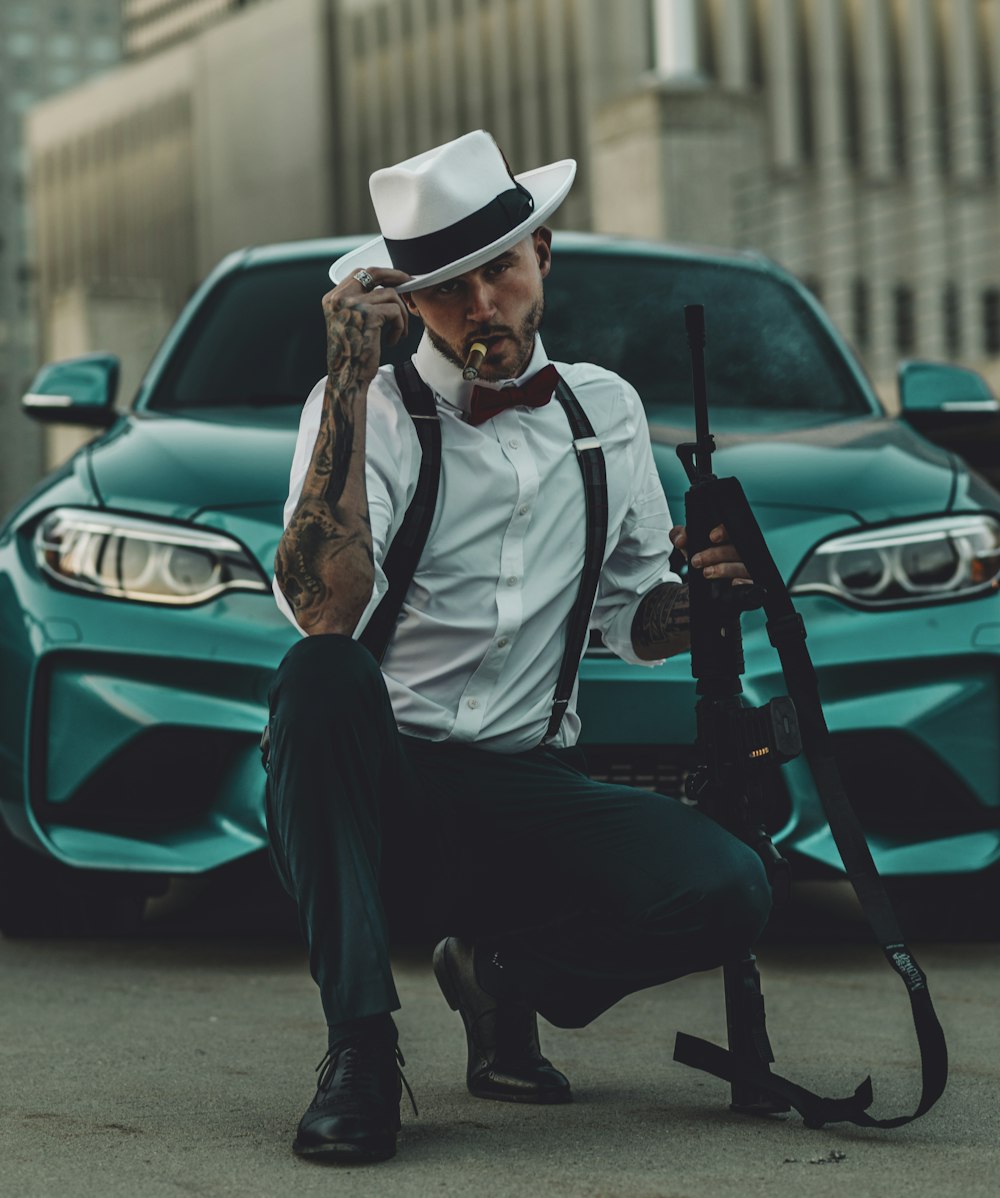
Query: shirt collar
[{"x": 445, "y": 379}]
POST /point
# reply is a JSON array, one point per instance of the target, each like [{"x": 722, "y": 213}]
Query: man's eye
[
  {"x": 446, "y": 288},
  {"x": 498, "y": 268}
]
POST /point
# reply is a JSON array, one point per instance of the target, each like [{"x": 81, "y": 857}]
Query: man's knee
[
  {"x": 727, "y": 900},
  {"x": 738, "y": 904},
  {"x": 328, "y": 674}
]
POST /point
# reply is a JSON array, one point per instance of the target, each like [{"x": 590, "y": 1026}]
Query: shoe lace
[{"x": 357, "y": 1074}]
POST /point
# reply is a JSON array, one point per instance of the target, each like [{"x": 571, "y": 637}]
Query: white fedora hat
[{"x": 453, "y": 208}]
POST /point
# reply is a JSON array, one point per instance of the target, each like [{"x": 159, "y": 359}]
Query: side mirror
[
  {"x": 75, "y": 391},
  {"x": 955, "y": 409},
  {"x": 939, "y": 387}
]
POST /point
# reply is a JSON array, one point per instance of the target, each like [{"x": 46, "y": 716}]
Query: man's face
[{"x": 499, "y": 304}]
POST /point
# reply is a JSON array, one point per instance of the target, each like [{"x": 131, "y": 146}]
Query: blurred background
[{"x": 855, "y": 141}]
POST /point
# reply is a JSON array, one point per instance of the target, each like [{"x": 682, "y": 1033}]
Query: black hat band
[{"x": 423, "y": 255}]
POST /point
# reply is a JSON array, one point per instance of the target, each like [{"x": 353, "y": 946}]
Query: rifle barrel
[{"x": 694, "y": 322}]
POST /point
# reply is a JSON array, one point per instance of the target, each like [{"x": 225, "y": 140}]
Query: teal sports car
[{"x": 138, "y": 633}]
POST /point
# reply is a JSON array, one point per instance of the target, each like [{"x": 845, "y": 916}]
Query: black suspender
[
  {"x": 407, "y": 545},
  {"x": 595, "y": 488}
]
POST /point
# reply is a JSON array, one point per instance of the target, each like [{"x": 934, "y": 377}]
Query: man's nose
[{"x": 482, "y": 303}]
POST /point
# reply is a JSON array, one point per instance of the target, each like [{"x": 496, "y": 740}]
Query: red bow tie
[{"x": 487, "y": 401}]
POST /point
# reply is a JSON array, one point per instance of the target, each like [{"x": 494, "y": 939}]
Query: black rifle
[{"x": 741, "y": 749}]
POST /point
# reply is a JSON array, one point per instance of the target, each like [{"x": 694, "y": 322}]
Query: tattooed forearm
[
  {"x": 662, "y": 624},
  {"x": 324, "y": 564}
]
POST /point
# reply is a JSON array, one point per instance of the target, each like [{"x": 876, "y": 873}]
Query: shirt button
[
  {"x": 512, "y": 581},
  {"x": 515, "y": 444},
  {"x": 473, "y": 703},
  {"x": 502, "y": 643},
  {"x": 523, "y": 510}
]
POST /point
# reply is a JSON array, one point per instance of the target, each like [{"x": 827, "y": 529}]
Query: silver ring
[{"x": 364, "y": 278}]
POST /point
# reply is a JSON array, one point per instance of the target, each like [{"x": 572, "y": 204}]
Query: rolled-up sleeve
[
  {"x": 392, "y": 458},
  {"x": 641, "y": 558}
]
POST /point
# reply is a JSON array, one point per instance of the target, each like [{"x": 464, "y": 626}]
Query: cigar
[{"x": 474, "y": 361}]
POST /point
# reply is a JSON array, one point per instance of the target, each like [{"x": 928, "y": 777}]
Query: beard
[{"x": 518, "y": 355}]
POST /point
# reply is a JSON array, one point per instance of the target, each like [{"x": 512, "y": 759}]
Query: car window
[
  {"x": 258, "y": 339},
  {"x": 766, "y": 350}
]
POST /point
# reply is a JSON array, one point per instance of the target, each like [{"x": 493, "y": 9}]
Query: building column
[
  {"x": 929, "y": 248},
  {"x": 835, "y": 228},
  {"x": 787, "y": 240},
  {"x": 878, "y": 209},
  {"x": 973, "y": 212}
]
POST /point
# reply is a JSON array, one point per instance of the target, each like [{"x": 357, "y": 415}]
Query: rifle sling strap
[
  {"x": 403, "y": 555},
  {"x": 787, "y": 634}
]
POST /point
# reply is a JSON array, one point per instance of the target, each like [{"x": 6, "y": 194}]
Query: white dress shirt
[{"x": 477, "y": 649}]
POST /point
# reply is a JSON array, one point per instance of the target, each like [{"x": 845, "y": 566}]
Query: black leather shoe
[
  {"x": 505, "y": 1060},
  {"x": 354, "y": 1117}
]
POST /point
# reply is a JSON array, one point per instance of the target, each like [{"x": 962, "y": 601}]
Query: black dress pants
[{"x": 587, "y": 891}]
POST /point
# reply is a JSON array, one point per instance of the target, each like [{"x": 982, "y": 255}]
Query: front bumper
[
  {"x": 912, "y": 699},
  {"x": 139, "y": 750}
]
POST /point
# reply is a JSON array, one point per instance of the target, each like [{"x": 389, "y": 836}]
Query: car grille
[
  {"x": 665, "y": 768},
  {"x": 162, "y": 780},
  {"x": 898, "y": 788},
  {"x": 644, "y": 766}
]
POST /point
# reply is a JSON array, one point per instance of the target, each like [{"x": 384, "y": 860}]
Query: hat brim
[{"x": 549, "y": 186}]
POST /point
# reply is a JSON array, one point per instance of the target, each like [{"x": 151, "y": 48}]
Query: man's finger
[
  {"x": 382, "y": 276},
  {"x": 397, "y": 324},
  {"x": 711, "y": 557},
  {"x": 394, "y": 312},
  {"x": 731, "y": 570}
]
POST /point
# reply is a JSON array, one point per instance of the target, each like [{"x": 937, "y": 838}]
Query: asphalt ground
[{"x": 178, "y": 1063}]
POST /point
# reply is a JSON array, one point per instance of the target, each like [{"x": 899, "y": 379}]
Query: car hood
[
  {"x": 176, "y": 465},
  {"x": 228, "y": 468},
  {"x": 872, "y": 469}
]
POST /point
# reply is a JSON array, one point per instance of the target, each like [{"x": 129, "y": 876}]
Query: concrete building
[
  {"x": 151, "y": 25},
  {"x": 853, "y": 140},
  {"x": 46, "y": 47}
]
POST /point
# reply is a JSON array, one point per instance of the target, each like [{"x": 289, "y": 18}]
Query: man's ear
[
  {"x": 542, "y": 239},
  {"x": 407, "y": 298}
]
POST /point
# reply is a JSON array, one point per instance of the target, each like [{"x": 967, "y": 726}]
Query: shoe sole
[
  {"x": 542, "y": 1098},
  {"x": 448, "y": 987},
  {"x": 347, "y": 1153}
]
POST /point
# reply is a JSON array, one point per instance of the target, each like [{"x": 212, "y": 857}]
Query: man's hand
[
  {"x": 720, "y": 560},
  {"x": 355, "y": 318},
  {"x": 662, "y": 623}
]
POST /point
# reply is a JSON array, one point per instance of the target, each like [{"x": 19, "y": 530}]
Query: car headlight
[
  {"x": 947, "y": 558},
  {"x": 147, "y": 560}
]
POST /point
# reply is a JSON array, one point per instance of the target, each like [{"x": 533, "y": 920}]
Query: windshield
[{"x": 258, "y": 339}]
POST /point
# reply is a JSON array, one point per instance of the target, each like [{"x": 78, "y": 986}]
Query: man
[{"x": 566, "y": 894}]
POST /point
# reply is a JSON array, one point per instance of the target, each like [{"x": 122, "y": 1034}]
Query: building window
[
  {"x": 102, "y": 49},
  {"x": 62, "y": 45},
  {"x": 22, "y": 44},
  {"x": 950, "y": 315},
  {"x": 62, "y": 75},
  {"x": 991, "y": 321},
  {"x": 861, "y": 312},
  {"x": 904, "y": 317}
]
